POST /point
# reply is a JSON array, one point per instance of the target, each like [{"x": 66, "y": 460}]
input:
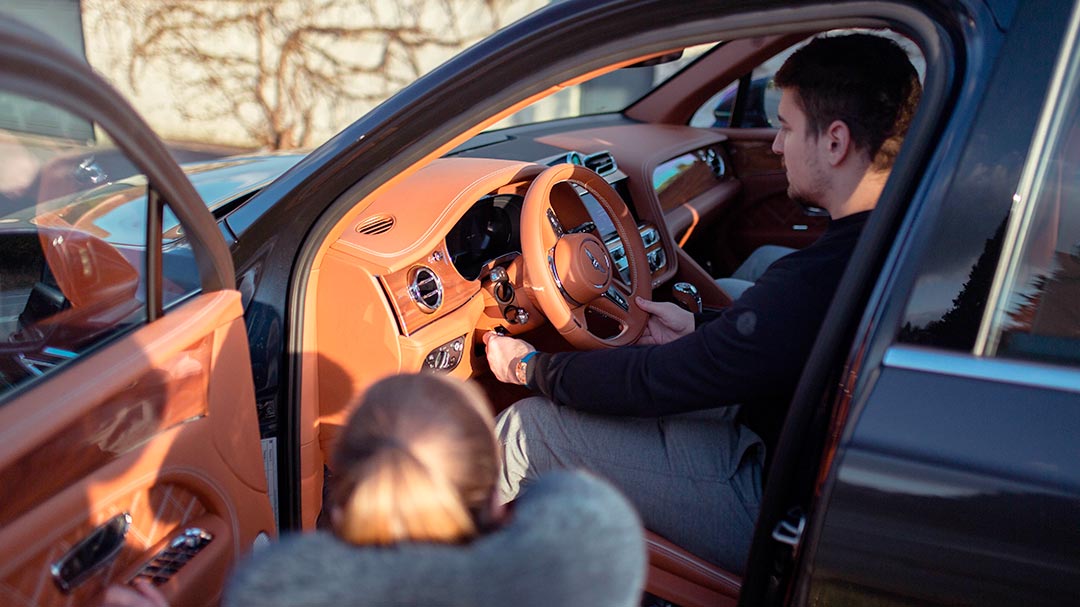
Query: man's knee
[
  {"x": 517, "y": 428},
  {"x": 523, "y": 417}
]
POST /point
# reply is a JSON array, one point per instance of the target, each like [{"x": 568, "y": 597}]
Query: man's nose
[{"x": 778, "y": 145}]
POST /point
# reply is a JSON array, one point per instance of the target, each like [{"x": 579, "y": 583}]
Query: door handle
[{"x": 91, "y": 554}]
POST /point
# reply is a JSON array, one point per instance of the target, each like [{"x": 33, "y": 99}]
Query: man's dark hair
[{"x": 865, "y": 81}]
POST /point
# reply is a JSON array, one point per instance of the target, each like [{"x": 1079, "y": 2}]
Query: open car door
[{"x": 129, "y": 444}]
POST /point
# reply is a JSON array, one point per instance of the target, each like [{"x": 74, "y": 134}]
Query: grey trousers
[
  {"x": 747, "y": 274},
  {"x": 694, "y": 478}
]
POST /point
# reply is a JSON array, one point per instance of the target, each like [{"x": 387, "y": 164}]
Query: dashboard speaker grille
[{"x": 376, "y": 225}]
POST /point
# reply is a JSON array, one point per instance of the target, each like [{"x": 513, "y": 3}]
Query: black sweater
[{"x": 750, "y": 353}]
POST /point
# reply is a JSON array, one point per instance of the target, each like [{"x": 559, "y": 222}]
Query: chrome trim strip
[
  {"x": 998, "y": 370},
  {"x": 1028, "y": 191},
  {"x": 558, "y": 282},
  {"x": 556, "y": 225}
]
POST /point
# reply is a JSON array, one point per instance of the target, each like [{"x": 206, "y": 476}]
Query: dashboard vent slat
[
  {"x": 380, "y": 224},
  {"x": 601, "y": 162}
]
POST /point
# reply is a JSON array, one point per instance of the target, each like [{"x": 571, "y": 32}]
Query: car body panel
[{"x": 978, "y": 503}]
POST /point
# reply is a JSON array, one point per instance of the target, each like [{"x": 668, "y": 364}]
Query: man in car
[{"x": 683, "y": 421}]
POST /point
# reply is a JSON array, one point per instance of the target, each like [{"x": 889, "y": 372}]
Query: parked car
[{"x": 169, "y": 397}]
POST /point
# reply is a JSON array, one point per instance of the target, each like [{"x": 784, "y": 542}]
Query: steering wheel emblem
[{"x": 595, "y": 264}]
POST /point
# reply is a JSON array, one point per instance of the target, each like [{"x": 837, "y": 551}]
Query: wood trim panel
[
  {"x": 456, "y": 291},
  {"x": 154, "y": 402},
  {"x": 752, "y": 154},
  {"x": 687, "y": 185}
]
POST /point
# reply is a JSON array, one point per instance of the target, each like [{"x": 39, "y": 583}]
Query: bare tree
[{"x": 288, "y": 72}]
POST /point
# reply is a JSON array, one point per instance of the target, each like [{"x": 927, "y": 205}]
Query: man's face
[{"x": 801, "y": 153}]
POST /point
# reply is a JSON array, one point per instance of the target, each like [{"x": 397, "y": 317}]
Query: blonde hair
[{"x": 417, "y": 461}]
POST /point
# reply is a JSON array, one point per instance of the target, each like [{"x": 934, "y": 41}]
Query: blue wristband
[{"x": 522, "y": 368}]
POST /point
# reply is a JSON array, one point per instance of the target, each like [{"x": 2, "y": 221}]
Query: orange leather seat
[{"x": 687, "y": 580}]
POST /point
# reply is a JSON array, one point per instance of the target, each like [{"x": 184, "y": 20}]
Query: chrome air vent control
[{"x": 425, "y": 288}]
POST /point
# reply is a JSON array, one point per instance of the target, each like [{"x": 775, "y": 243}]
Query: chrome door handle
[{"x": 91, "y": 554}]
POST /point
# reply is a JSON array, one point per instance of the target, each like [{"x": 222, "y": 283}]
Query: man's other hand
[
  {"x": 503, "y": 354},
  {"x": 667, "y": 322}
]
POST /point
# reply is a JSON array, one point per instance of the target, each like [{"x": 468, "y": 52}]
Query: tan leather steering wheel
[{"x": 570, "y": 273}]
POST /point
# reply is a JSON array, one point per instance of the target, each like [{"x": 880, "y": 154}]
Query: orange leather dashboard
[{"x": 368, "y": 324}]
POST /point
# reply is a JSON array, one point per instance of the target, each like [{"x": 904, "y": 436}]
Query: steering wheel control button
[
  {"x": 556, "y": 225},
  {"x": 587, "y": 227},
  {"x": 656, "y": 260},
  {"x": 616, "y": 297},
  {"x": 649, "y": 236},
  {"x": 447, "y": 356}
]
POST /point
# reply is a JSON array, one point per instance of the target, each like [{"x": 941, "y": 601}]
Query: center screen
[{"x": 604, "y": 226}]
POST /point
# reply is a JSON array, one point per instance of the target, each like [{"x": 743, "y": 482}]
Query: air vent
[
  {"x": 376, "y": 225},
  {"x": 601, "y": 162},
  {"x": 425, "y": 288}
]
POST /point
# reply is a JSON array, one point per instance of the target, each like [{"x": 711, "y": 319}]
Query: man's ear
[{"x": 837, "y": 142}]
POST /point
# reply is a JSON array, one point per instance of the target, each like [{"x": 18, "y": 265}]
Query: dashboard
[
  {"x": 488, "y": 234},
  {"x": 436, "y": 260}
]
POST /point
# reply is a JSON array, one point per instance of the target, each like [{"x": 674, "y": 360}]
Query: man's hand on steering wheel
[
  {"x": 667, "y": 322},
  {"x": 503, "y": 354}
]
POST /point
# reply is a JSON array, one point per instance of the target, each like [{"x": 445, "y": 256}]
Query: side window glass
[
  {"x": 760, "y": 98},
  {"x": 1037, "y": 312},
  {"x": 73, "y": 217}
]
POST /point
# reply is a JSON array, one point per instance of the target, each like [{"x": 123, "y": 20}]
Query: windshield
[
  {"x": 612, "y": 92},
  {"x": 118, "y": 208}
]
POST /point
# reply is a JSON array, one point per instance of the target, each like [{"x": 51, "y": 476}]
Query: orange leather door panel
[
  {"x": 160, "y": 425},
  {"x": 764, "y": 213}
]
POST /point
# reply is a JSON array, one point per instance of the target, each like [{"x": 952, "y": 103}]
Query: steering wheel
[{"x": 571, "y": 271}]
